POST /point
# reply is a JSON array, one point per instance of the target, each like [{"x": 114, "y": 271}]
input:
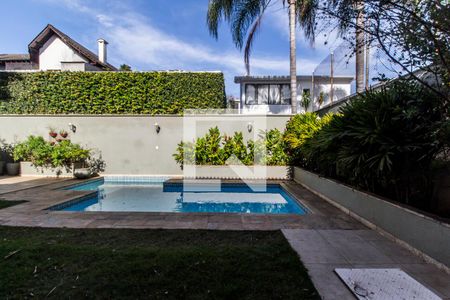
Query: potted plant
[
  {"x": 64, "y": 134},
  {"x": 92, "y": 166},
  {"x": 52, "y": 133},
  {"x": 12, "y": 164}
]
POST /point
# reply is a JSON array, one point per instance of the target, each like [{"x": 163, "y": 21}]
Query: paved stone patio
[
  {"x": 325, "y": 238},
  {"x": 50, "y": 193}
]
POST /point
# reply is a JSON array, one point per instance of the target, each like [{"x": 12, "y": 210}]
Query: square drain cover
[{"x": 384, "y": 284}]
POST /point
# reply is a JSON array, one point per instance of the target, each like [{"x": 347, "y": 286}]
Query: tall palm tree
[
  {"x": 359, "y": 46},
  {"x": 245, "y": 17},
  {"x": 350, "y": 12}
]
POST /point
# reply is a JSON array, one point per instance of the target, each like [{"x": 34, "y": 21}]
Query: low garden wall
[
  {"x": 129, "y": 143},
  {"x": 426, "y": 234},
  {"x": 27, "y": 169}
]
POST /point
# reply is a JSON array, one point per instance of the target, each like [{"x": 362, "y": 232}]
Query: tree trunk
[
  {"x": 359, "y": 47},
  {"x": 293, "y": 61}
]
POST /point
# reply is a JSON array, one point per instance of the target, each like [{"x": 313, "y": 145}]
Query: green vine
[{"x": 110, "y": 92}]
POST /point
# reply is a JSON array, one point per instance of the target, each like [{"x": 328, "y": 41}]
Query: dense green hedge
[{"x": 109, "y": 92}]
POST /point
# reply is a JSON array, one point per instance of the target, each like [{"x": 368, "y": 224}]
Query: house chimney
[{"x": 102, "y": 50}]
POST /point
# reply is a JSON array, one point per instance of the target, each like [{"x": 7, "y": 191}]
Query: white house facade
[
  {"x": 272, "y": 94},
  {"x": 52, "y": 49}
]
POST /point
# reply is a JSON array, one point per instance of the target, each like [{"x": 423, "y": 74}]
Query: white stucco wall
[
  {"x": 342, "y": 88},
  {"x": 129, "y": 143},
  {"x": 73, "y": 66},
  {"x": 55, "y": 51}
]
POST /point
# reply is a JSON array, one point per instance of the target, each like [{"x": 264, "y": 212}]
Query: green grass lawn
[
  {"x": 5, "y": 204},
  {"x": 156, "y": 264}
]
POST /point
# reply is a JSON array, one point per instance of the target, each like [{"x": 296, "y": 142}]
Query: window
[
  {"x": 263, "y": 94},
  {"x": 274, "y": 94},
  {"x": 285, "y": 94},
  {"x": 250, "y": 94}
]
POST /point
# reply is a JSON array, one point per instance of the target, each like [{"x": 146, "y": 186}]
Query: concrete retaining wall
[
  {"x": 130, "y": 144},
  {"x": 428, "y": 235}
]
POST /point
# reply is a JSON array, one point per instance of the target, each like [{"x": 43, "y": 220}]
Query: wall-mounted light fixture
[
  {"x": 72, "y": 127},
  {"x": 249, "y": 127},
  {"x": 157, "y": 128}
]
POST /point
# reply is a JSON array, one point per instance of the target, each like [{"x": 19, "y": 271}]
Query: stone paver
[
  {"x": 322, "y": 251},
  {"x": 14, "y": 183}
]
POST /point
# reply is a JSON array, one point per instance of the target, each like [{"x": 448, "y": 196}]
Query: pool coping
[
  {"x": 176, "y": 182},
  {"x": 36, "y": 212}
]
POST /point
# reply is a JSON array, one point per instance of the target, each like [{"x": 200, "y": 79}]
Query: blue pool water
[{"x": 155, "y": 197}]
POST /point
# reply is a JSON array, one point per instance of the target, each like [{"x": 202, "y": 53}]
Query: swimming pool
[{"x": 156, "y": 197}]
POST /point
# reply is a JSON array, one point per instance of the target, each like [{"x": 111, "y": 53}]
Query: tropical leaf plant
[
  {"x": 306, "y": 100},
  {"x": 384, "y": 141},
  {"x": 217, "y": 149}
]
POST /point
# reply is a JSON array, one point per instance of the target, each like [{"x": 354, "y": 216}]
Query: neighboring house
[
  {"x": 272, "y": 94},
  {"x": 53, "y": 50}
]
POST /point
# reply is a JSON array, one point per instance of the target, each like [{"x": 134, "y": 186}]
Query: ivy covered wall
[{"x": 110, "y": 92}]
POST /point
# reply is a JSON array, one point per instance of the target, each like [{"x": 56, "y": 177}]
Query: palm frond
[
  {"x": 218, "y": 9},
  {"x": 306, "y": 15},
  {"x": 245, "y": 14},
  {"x": 248, "y": 45}
]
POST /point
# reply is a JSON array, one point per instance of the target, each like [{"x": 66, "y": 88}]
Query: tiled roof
[{"x": 14, "y": 57}]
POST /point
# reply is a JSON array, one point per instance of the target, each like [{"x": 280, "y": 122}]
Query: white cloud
[
  {"x": 138, "y": 42},
  {"x": 135, "y": 40}
]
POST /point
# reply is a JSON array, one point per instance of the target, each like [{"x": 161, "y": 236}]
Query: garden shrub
[
  {"x": 217, "y": 149},
  {"x": 299, "y": 129},
  {"x": 274, "y": 146},
  {"x": 110, "y": 92},
  {"x": 383, "y": 141},
  {"x": 41, "y": 153}
]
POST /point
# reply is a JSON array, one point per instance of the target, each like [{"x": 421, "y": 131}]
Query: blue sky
[{"x": 153, "y": 35}]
